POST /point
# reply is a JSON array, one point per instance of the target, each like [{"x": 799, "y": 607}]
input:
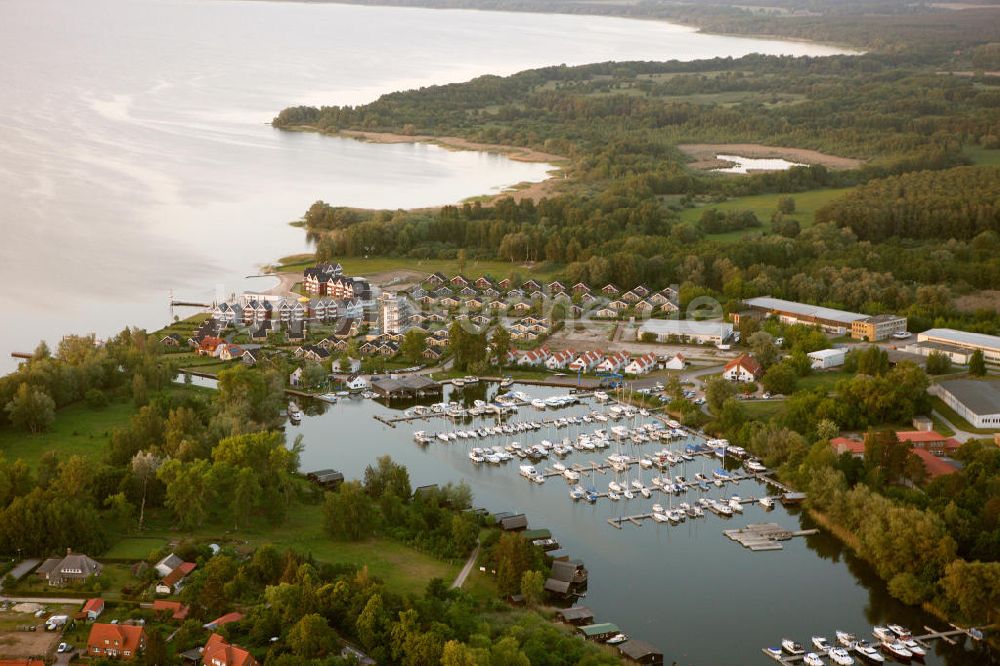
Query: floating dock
[
  {"x": 765, "y": 536},
  {"x": 948, "y": 636}
]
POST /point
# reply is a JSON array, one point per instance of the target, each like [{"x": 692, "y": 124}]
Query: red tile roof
[
  {"x": 929, "y": 436},
  {"x": 847, "y": 445},
  {"x": 219, "y": 652},
  {"x": 747, "y": 362},
  {"x": 178, "y": 610},
  {"x": 226, "y": 619},
  {"x": 93, "y": 606},
  {"x": 119, "y": 638},
  {"x": 935, "y": 466},
  {"x": 179, "y": 573}
]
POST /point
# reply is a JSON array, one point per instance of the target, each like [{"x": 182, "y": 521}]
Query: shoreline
[
  {"x": 704, "y": 155},
  {"x": 849, "y": 49},
  {"x": 533, "y": 190}
]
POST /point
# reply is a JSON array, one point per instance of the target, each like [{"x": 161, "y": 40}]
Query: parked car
[
  {"x": 64, "y": 647},
  {"x": 902, "y": 335}
]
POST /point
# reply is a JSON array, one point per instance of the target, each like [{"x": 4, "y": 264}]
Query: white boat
[
  {"x": 756, "y": 466},
  {"x": 571, "y": 475},
  {"x": 913, "y": 647},
  {"x": 840, "y": 656},
  {"x": 899, "y": 630},
  {"x": 612, "y": 495},
  {"x": 471, "y": 379},
  {"x": 660, "y": 517},
  {"x": 613, "y": 486},
  {"x": 294, "y": 413},
  {"x": 865, "y": 649},
  {"x": 657, "y": 508},
  {"x": 538, "y": 403},
  {"x": 897, "y": 650},
  {"x": 736, "y": 505},
  {"x": 883, "y": 633},
  {"x": 458, "y": 382},
  {"x": 645, "y": 492},
  {"x": 812, "y": 659},
  {"x": 505, "y": 382},
  {"x": 627, "y": 494},
  {"x": 766, "y": 502},
  {"x": 528, "y": 471},
  {"x": 559, "y": 467},
  {"x": 774, "y": 653},
  {"x": 328, "y": 397},
  {"x": 846, "y": 639},
  {"x": 616, "y": 639},
  {"x": 820, "y": 643},
  {"x": 791, "y": 647},
  {"x": 723, "y": 509}
]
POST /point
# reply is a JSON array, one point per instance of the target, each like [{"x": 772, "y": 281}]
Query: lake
[
  {"x": 742, "y": 164},
  {"x": 687, "y": 589},
  {"x": 137, "y": 157}
]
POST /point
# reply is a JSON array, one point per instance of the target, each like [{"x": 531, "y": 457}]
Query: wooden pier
[{"x": 765, "y": 536}]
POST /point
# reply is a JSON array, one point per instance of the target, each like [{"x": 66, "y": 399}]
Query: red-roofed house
[
  {"x": 743, "y": 368},
  {"x": 931, "y": 441},
  {"x": 842, "y": 445},
  {"x": 934, "y": 465},
  {"x": 641, "y": 365},
  {"x": 559, "y": 360},
  {"x": 677, "y": 362},
  {"x": 177, "y": 610},
  {"x": 586, "y": 361},
  {"x": 225, "y": 619},
  {"x": 220, "y": 653},
  {"x": 174, "y": 581},
  {"x": 613, "y": 362},
  {"x": 92, "y": 609},
  {"x": 115, "y": 641}
]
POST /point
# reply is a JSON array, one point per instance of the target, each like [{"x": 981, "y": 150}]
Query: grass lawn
[
  {"x": 763, "y": 205},
  {"x": 763, "y": 410},
  {"x": 822, "y": 379},
  {"x": 960, "y": 423},
  {"x": 135, "y": 547},
  {"x": 78, "y": 429},
  {"x": 401, "y": 567},
  {"x": 473, "y": 267}
]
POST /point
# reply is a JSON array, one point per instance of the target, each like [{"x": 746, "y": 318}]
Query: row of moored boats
[{"x": 894, "y": 640}]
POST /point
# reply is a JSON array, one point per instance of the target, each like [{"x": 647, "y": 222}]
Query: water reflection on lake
[
  {"x": 687, "y": 589},
  {"x": 750, "y": 164}
]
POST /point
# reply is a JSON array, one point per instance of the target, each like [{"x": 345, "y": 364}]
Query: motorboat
[
  {"x": 559, "y": 467},
  {"x": 577, "y": 493},
  {"x": 644, "y": 491},
  {"x": 883, "y": 633},
  {"x": 616, "y": 639},
  {"x": 820, "y": 643},
  {"x": 897, "y": 650},
  {"x": 627, "y": 493},
  {"x": 755, "y": 466},
  {"x": 471, "y": 379},
  {"x": 723, "y": 509},
  {"x": 538, "y": 403},
  {"x": 736, "y": 505},
  {"x": 657, "y": 508},
  {"x": 660, "y": 517},
  {"x": 840, "y": 656},
  {"x": 506, "y": 382},
  {"x": 328, "y": 397},
  {"x": 812, "y": 659},
  {"x": 294, "y": 413},
  {"x": 899, "y": 630},
  {"x": 914, "y": 647},
  {"x": 766, "y": 502},
  {"x": 865, "y": 649},
  {"x": 791, "y": 647},
  {"x": 774, "y": 653},
  {"x": 528, "y": 471},
  {"x": 458, "y": 382},
  {"x": 846, "y": 639},
  {"x": 613, "y": 496},
  {"x": 571, "y": 475},
  {"x": 614, "y": 487}
]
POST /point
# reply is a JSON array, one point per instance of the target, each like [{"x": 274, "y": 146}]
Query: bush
[{"x": 96, "y": 398}]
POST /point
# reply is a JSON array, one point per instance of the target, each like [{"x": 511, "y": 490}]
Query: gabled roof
[
  {"x": 225, "y": 619},
  {"x": 120, "y": 636},
  {"x": 747, "y": 362},
  {"x": 93, "y": 605},
  {"x": 177, "y": 610},
  {"x": 219, "y": 652}
]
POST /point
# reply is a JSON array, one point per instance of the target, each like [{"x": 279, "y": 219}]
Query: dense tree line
[{"x": 956, "y": 203}]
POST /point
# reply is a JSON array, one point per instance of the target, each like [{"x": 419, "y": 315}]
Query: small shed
[
  {"x": 578, "y": 615},
  {"x": 793, "y": 498},
  {"x": 327, "y": 478},
  {"x": 514, "y": 523},
  {"x": 599, "y": 632},
  {"x": 827, "y": 358},
  {"x": 640, "y": 652}
]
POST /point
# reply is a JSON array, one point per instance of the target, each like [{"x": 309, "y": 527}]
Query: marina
[
  {"x": 821, "y": 582},
  {"x": 765, "y": 536}
]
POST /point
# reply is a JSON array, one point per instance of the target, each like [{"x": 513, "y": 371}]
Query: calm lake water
[
  {"x": 137, "y": 156},
  {"x": 749, "y": 164},
  {"x": 700, "y": 597}
]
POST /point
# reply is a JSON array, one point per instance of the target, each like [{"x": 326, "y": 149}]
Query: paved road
[
  {"x": 467, "y": 569},
  {"x": 960, "y": 435},
  {"x": 44, "y": 600}
]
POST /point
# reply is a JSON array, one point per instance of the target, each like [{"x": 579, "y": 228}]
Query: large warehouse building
[
  {"x": 957, "y": 345},
  {"x": 686, "y": 330},
  {"x": 978, "y": 402},
  {"x": 836, "y": 322}
]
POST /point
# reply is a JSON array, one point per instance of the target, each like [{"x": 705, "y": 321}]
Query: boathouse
[
  {"x": 570, "y": 571},
  {"x": 576, "y": 615},
  {"x": 640, "y": 652},
  {"x": 599, "y": 632},
  {"x": 327, "y": 478},
  {"x": 559, "y": 588},
  {"x": 514, "y": 523}
]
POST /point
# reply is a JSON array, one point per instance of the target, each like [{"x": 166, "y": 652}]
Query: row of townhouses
[{"x": 593, "y": 361}]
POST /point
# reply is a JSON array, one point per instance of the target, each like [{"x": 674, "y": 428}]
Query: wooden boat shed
[
  {"x": 514, "y": 523},
  {"x": 599, "y": 632},
  {"x": 640, "y": 652},
  {"x": 327, "y": 478},
  {"x": 577, "y": 615}
]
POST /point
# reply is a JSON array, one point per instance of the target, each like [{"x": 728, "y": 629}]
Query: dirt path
[
  {"x": 467, "y": 569},
  {"x": 705, "y": 155}
]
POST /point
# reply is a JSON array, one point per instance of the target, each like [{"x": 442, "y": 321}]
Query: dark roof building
[
  {"x": 514, "y": 523},
  {"x": 405, "y": 387},
  {"x": 578, "y": 615},
  {"x": 640, "y": 652}
]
